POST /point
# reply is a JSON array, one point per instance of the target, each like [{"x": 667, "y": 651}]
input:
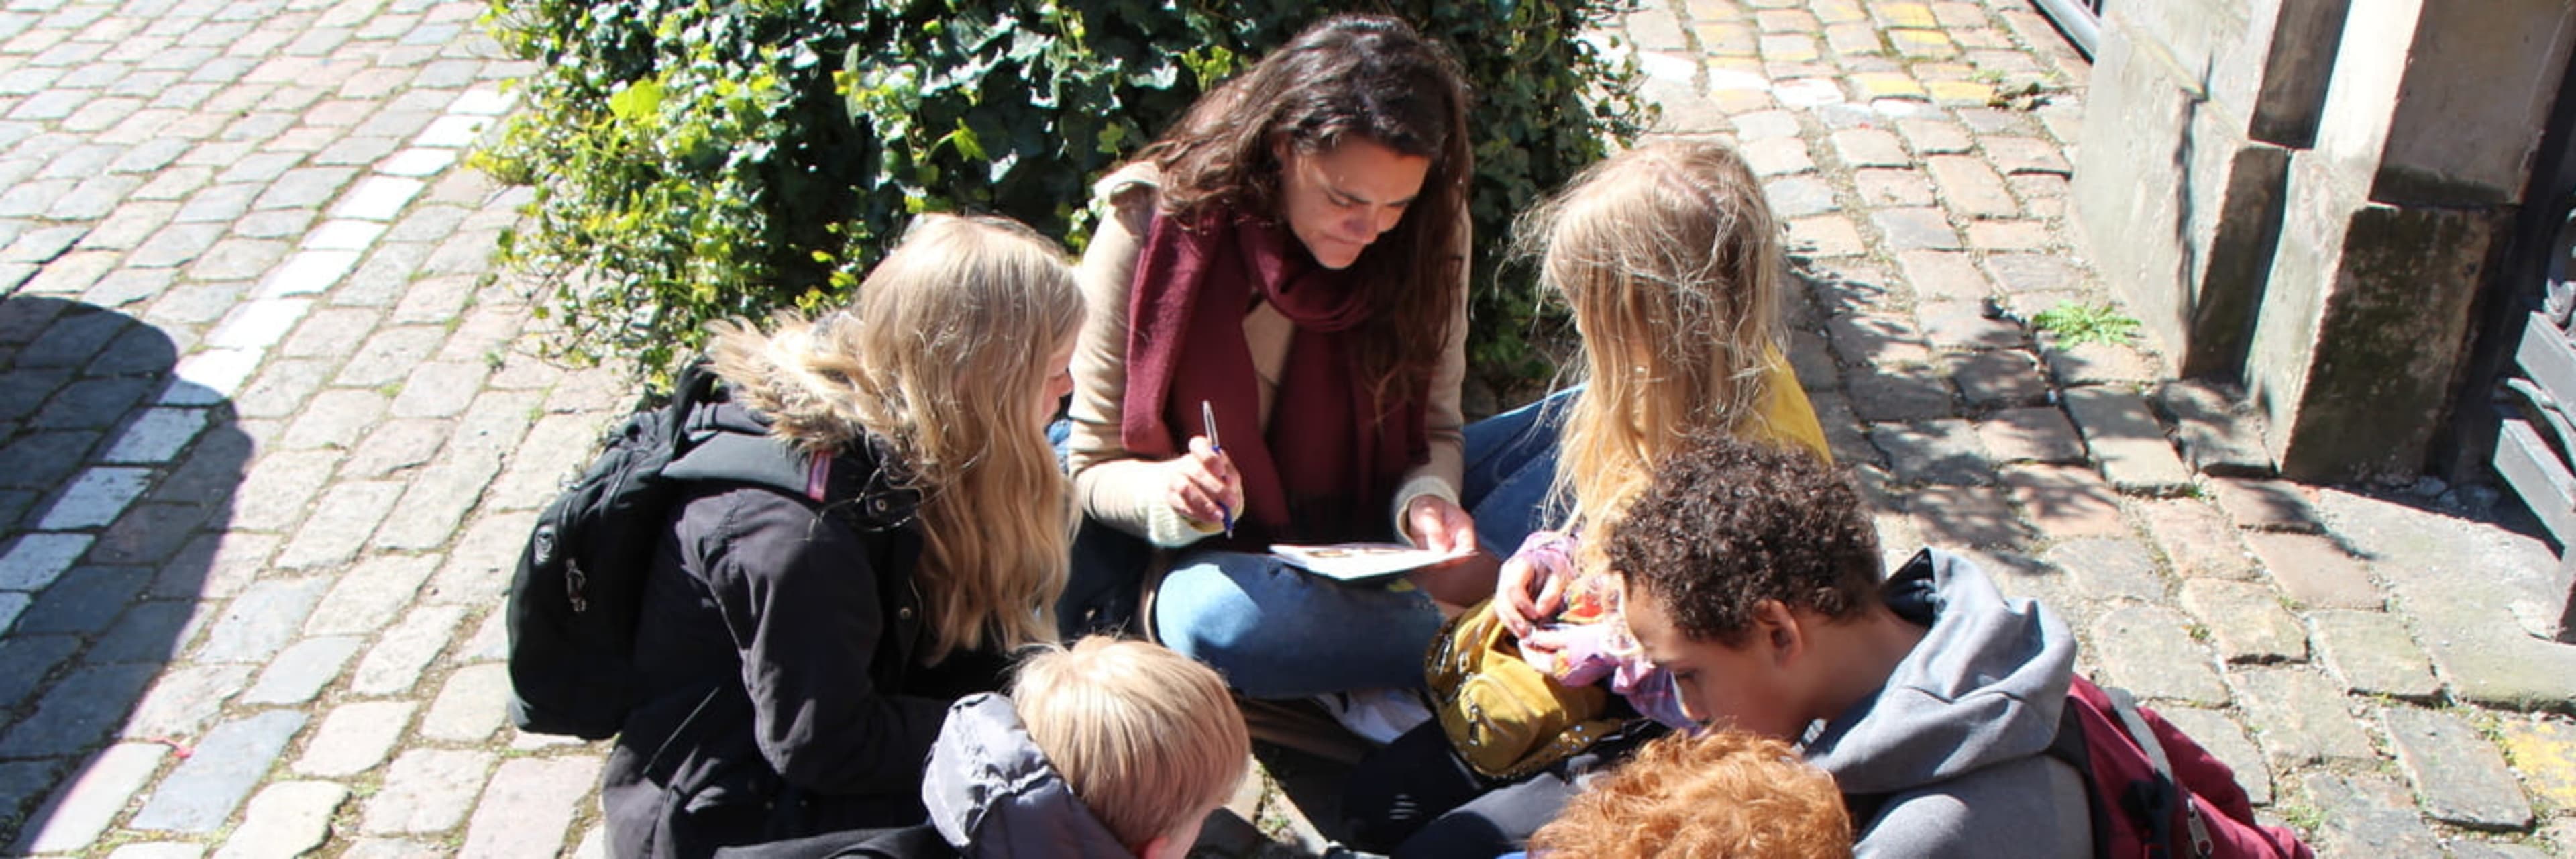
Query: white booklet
[{"x": 1360, "y": 562}]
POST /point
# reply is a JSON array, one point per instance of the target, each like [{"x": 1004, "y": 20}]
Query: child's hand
[{"x": 1526, "y": 593}]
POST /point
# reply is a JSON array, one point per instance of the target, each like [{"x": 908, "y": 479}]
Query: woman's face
[{"x": 1340, "y": 200}]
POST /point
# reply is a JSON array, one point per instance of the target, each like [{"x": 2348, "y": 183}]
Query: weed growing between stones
[{"x": 2076, "y": 323}]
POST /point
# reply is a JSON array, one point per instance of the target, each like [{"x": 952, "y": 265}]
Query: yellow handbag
[{"x": 1504, "y": 716}]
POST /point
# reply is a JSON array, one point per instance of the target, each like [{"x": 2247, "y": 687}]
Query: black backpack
[{"x": 579, "y": 586}]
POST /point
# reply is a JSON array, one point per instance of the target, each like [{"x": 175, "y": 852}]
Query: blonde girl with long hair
[
  {"x": 800, "y": 653},
  {"x": 1671, "y": 262}
]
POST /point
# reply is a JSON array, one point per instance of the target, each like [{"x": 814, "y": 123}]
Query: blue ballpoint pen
[{"x": 1207, "y": 418}]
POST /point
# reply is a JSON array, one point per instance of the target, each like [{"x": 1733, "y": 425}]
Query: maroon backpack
[{"x": 2155, "y": 793}]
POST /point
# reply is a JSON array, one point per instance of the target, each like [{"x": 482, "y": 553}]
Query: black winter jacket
[{"x": 779, "y": 645}]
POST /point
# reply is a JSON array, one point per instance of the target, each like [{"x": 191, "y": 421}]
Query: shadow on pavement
[{"x": 117, "y": 480}]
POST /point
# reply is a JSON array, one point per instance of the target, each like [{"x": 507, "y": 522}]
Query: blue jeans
[{"x": 1276, "y": 632}]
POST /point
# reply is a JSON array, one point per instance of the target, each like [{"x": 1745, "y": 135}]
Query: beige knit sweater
[{"x": 1126, "y": 492}]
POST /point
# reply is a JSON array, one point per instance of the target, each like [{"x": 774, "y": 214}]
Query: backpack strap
[
  {"x": 2124, "y": 707},
  {"x": 2069, "y": 747}
]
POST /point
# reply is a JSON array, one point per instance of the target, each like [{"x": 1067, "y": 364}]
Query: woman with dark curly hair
[{"x": 1289, "y": 262}]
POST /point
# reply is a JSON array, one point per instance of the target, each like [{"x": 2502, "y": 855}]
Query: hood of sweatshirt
[
  {"x": 1985, "y": 685},
  {"x": 992, "y": 793}
]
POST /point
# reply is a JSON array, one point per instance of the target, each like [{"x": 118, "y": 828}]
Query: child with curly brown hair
[
  {"x": 1726, "y": 793},
  {"x": 1752, "y": 576}
]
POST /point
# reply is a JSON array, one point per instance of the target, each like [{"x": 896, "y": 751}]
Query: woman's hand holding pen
[{"x": 1203, "y": 486}]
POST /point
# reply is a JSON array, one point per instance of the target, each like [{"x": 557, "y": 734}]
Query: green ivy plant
[{"x": 693, "y": 160}]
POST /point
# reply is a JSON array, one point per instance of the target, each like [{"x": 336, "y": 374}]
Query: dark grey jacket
[
  {"x": 779, "y": 644},
  {"x": 993, "y": 795}
]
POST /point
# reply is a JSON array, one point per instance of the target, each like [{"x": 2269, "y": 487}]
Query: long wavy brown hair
[
  {"x": 1364, "y": 77},
  {"x": 938, "y": 360}
]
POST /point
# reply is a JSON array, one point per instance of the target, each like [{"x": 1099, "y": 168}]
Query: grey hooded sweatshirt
[
  {"x": 992, "y": 793},
  {"x": 1952, "y": 751}
]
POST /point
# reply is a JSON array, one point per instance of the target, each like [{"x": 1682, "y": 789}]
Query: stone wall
[{"x": 2305, "y": 197}]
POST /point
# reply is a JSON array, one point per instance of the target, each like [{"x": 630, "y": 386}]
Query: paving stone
[
  {"x": 394, "y": 664},
  {"x": 347, "y": 514},
  {"x": 1915, "y": 228},
  {"x": 302, "y": 670},
  {"x": 72, "y": 339},
  {"x": 200, "y": 793},
  {"x": 485, "y": 556},
  {"x": 1809, "y": 358},
  {"x": 336, "y": 418},
  {"x": 156, "y": 436},
  {"x": 2033, "y": 273},
  {"x": 2367, "y": 815},
  {"x": 2099, "y": 364},
  {"x": 1971, "y": 188},
  {"x": 37, "y": 560},
  {"x": 2373, "y": 655},
  {"x": 2102, "y": 569},
  {"x": 470, "y": 706},
  {"x": 390, "y": 355},
  {"x": 149, "y": 633},
  {"x": 310, "y": 272},
  {"x": 2266, "y": 505},
  {"x": 2025, "y": 155},
  {"x": 327, "y": 332},
  {"x": 1876, "y": 339},
  {"x": 95, "y": 498},
  {"x": 426, "y": 791},
  {"x": 394, "y": 848},
  {"x": 78, "y": 712},
  {"x": 396, "y": 445},
  {"x": 489, "y": 643},
  {"x": 262, "y": 620},
  {"x": 354, "y": 738},
  {"x": 2218, "y": 435},
  {"x": 2457, "y": 773},
  {"x": 2463, "y": 848},
  {"x": 2126, "y": 440},
  {"x": 84, "y": 601},
  {"x": 2247, "y": 620},
  {"x": 285, "y": 820},
  {"x": 274, "y": 492},
  {"x": 43, "y": 459},
  {"x": 2540, "y": 745},
  {"x": 2195, "y": 540},
  {"x": 1943, "y": 276},
  {"x": 1902, "y": 393},
  {"x": 2226, "y": 740},
  {"x": 91, "y": 404},
  {"x": 439, "y": 389},
  {"x": 1941, "y": 451},
  {"x": 2150, "y": 650},
  {"x": 2001, "y": 378},
  {"x": 1882, "y": 188},
  {"x": 259, "y": 324},
  {"x": 2314, "y": 572},
  {"x": 1869, "y": 147},
  {"x": 184, "y": 700},
  {"x": 368, "y": 595},
  {"x": 1965, "y": 516},
  {"x": 1800, "y": 196},
  {"x": 528, "y": 807},
  {"x": 2067, "y": 502},
  {"x": 75, "y": 816},
  {"x": 2300, "y": 718},
  {"x": 23, "y": 783},
  {"x": 30, "y": 659},
  {"x": 1843, "y": 435}
]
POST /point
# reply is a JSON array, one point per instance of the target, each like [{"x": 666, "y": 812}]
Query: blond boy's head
[
  {"x": 1720, "y": 794},
  {"x": 1148, "y": 739}
]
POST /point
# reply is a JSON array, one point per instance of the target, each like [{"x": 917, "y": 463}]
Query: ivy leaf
[{"x": 637, "y": 102}]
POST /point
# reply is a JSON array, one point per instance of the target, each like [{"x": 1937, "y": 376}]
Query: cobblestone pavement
[{"x": 273, "y": 432}]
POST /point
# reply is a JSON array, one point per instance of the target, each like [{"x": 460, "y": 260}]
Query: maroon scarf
[{"x": 1327, "y": 466}]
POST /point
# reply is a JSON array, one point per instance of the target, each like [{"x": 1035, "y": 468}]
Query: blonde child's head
[
  {"x": 1148, "y": 739},
  {"x": 941, "y": 357},
  {"x": 1671, "y": 262},
  {"x": 1726, "y": 793}
]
